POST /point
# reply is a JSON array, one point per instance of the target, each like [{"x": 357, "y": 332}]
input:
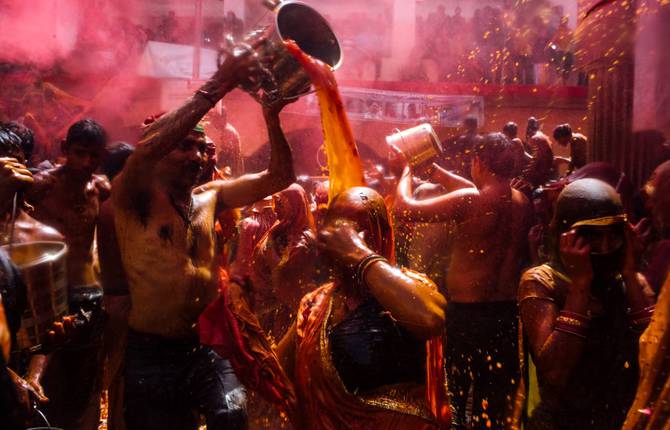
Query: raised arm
[
  {"x": 450, "y": 181},
  {"x": 556, "y": 351},
  {"x": 163, "y": 135},
  {"x": 250, "y": 188},
  {"x": 411, "y": 299},
  {"x": 450, "y": 206}
]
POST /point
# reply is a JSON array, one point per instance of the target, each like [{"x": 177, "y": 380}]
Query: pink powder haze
[
  {"x": 63, "y": 60},
  {"x": 41, "y": 32}
]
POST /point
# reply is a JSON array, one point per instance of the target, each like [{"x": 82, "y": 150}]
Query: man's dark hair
[
  {"x": 117, "y": 154},
  {"x": 10, "y": 145},
  {"x": 87, "y": 132},
  {"x": 496, "y": 152},
  {"x": 470, "y": 123},
  {"x": 511, "y": 129},
  {"x": 533, "y": 125},
  {"x": 563, "y": 130},
  {"x": 25, "y": 134}
]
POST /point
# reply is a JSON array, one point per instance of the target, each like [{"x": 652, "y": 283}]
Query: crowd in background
[{"x": 495, "y": 45}]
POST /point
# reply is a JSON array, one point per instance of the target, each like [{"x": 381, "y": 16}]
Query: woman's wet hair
[{"x": 367, "y": 209}]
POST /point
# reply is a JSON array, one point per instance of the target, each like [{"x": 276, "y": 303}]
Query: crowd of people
[
  {"x": 495, "y": 46},
  {"x": 419, "y": 301}
]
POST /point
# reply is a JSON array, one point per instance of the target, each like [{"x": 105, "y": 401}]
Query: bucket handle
[{"x": 44, "y": 418}]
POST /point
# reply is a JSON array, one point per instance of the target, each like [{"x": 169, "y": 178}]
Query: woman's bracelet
[
  {"x": 641, "y": 318},
  {"x": 363, "y": 266},
  {"x": 572, "y": 323}
]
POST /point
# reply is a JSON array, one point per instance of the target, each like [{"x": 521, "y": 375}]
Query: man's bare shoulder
[
  {"x": 48, "y": 176},
  {"x": 45, "y": 182},
  {"x": 522, "y": 203},
  {"x": 208, "y": 187},
  {"x": 579, "y": 136}
]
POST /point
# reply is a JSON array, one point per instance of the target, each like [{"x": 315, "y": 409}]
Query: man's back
[{"x": 489, "y": 247}]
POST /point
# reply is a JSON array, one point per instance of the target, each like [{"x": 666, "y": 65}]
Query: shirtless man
[
  {"x": 165, "y": 231},
  {"x": 511, "y": 130},
  {"x": 489, "y": 245},
  {"x": 68, "y": 198},
  {"x": 564, "y": 136},
  {"x": 539, "y": 168}
]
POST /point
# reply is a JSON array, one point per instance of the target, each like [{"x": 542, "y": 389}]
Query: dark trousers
[
  {"x": 482, "y": 360},
  {"x": 169, "y": 383}
]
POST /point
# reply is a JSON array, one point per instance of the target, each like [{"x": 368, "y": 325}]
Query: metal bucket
[
  {"x": 44, "y": 272},
  {"x": 418, "y": 144},
  {"x": 281, "y": 75}
]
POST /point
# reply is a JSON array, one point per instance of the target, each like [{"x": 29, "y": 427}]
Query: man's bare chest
[
  {"x": 69, "y": 210},
  {"x": 185, "y": 231}
]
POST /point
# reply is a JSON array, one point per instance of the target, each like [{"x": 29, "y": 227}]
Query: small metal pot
[
  {"x": 418, "y": 144},
  {"x": 281, "y": 75},
  {"x": 44, "y": 272}
]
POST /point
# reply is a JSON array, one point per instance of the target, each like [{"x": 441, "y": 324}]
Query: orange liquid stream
[{"x": 344, "y": 164}]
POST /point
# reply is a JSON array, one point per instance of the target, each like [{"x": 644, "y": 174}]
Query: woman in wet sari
[
  {"x": 283, "y": 262},
  {"x": 358, "y": 352}
]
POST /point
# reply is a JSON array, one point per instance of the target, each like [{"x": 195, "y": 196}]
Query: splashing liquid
[{"x": 344, "y": 164}]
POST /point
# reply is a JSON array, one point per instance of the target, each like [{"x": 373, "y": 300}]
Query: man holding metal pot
[{"x": 165, "y": 228}]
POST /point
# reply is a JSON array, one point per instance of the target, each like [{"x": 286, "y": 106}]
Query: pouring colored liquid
[{"x": 344, "y": 164}]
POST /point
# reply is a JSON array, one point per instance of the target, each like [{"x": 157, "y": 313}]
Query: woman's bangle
[
  {"x": 363, "y": 266},
  {"x": 641, "y": 318},
  {"x": 572, "y": 323}
]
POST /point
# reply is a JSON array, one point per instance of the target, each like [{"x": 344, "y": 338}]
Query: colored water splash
[{"x": 344, "y": 164}]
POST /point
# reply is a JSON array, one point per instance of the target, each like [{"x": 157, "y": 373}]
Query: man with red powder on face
[
  {"x": 165, "y": 225},
  {"x": 68, "y": 198}
]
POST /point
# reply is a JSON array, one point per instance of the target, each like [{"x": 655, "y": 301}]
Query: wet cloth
[{"x": 325, "y": 401}]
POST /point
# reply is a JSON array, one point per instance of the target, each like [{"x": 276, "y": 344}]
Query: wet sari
[{"x": 327, "y": 404}]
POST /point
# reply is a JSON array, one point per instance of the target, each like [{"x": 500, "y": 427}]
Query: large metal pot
[
  {"x": 44, "y": 272},
  {"x": 281, "y": 75},
  {"x": 418, "y": 144}
]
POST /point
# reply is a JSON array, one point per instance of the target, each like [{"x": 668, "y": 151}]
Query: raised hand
[
  {"x": 574, "y": 251},
  {"x": 241, "y": 64},
  {"x": 13, "y": 175},
  {"x": 343, "y": 244},
  {"x": 26, "y": 393},
  {"x": 633, "y": 251}
]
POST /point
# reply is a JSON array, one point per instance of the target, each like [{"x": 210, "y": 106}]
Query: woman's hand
[
  {"x": 577, "y": 262},
  {"x": 343, "y": 244},
  {"x": 633, "y": 252},
  {"x": 26, "y": 393}
]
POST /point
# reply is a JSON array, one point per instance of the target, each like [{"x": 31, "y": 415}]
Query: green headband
[{"x": 199, "y": 128}]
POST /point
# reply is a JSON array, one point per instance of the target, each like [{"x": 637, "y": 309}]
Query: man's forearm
[
  {"x": 281, "y": 159},
  {"x": 164, "y": 135},
  {"x": 450, "y": 181}
]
